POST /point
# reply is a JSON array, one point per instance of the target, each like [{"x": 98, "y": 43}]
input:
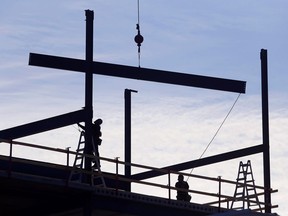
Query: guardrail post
[
  {"x": 117, "y": 171},
  {"x": 169, "y": 184},
  {"x": 219, "y": 194},
  {"x": 10, "y": 159},
  {"x": 10, "y": 150},
  {"x": 68, "y": 150}
]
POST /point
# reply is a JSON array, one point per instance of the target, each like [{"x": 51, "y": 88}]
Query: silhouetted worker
[
  {"x": 181, "y": 184},
  {"x": 96, "y": 134},
  {"x": 96, "y": 140}
]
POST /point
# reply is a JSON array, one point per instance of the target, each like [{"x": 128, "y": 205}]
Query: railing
[{"x": 219, "y": 196}]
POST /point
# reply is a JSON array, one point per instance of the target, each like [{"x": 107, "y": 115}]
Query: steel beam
[
  {"x": 127, "y": 114},
  {"x": 145, "y": 74},
  {"x": 88, "y": 149},
  {"x": 201, "y": 162},
  {"x": 265, "y": 129},
  {"x": 43, "y": 125}
]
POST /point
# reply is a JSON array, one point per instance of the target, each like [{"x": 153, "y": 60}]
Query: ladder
[
  {"x": 77, "y": 173},
  {"x": 245, "y": 195}
]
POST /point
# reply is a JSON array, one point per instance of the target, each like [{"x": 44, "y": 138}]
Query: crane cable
[
  {"x": 217, "y": 131},
  {"x": 138, "y": 38},
  {"x": 138, "y": 9}
]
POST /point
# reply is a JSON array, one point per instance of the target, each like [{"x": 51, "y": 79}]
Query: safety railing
[{"x": 219, "y": 196}]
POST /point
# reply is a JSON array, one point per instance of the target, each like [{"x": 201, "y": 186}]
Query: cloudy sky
[{"x": 170, "y": 124}]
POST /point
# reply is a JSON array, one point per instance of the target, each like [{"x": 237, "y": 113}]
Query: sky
[{"x": 170, "y": 124}]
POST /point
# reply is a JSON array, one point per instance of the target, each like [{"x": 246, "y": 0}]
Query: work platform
[
  {"x": 37, "y": 188},
  {"x": 31, "y": 187}
]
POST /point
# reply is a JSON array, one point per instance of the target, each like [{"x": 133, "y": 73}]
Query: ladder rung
[
  {"x": 251, "y": 205},
  {"x": 237, "y": 208},
  {"x": 249, "y": 189},
  {"x": 239, "y": 194},
  {"x": 253, "y": 199}
]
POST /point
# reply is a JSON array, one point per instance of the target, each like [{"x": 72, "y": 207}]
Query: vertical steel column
[
  {"x": 89, "y": 89},
  {"x": 127, "y": 97},
  {"x": 87, "y": 208},
  {"x": 265, "y": 129}
]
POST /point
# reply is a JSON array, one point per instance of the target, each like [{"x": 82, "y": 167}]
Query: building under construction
[{"x": 77, "y": 187}]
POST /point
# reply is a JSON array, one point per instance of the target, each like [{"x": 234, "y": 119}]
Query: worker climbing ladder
[
  {"x": 245, "y": 195},
  {"x": 78, "y": 173}
]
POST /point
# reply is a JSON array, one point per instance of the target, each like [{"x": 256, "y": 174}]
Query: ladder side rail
[
  {"x": 76, "y": 170},
  {"x": 239, "y": 192},
  {"x": 236, "y": 188},
  {"x": 252, "y": 188}
]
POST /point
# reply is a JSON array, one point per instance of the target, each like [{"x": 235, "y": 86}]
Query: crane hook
[{"x": 138, "y": 38}]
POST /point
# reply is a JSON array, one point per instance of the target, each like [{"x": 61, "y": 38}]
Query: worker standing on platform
[
  {"x": 96, "y": 134},
  {"x": 181, "y": 184},
  {"x": 96, "y": 140}
]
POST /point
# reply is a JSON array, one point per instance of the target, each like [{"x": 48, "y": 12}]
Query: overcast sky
[{"x": 170, "y": 124}]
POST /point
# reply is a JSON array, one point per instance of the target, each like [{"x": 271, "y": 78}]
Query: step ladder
[
  {"x": 245, "y": 188},
  {"x": 77, "y": 174}
]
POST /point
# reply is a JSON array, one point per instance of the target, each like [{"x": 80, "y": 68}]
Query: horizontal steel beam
[
  {"x": 201, "y": 162},
  {"x": 43, "y": 125},
  {"x": 138, "y": 73}
]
